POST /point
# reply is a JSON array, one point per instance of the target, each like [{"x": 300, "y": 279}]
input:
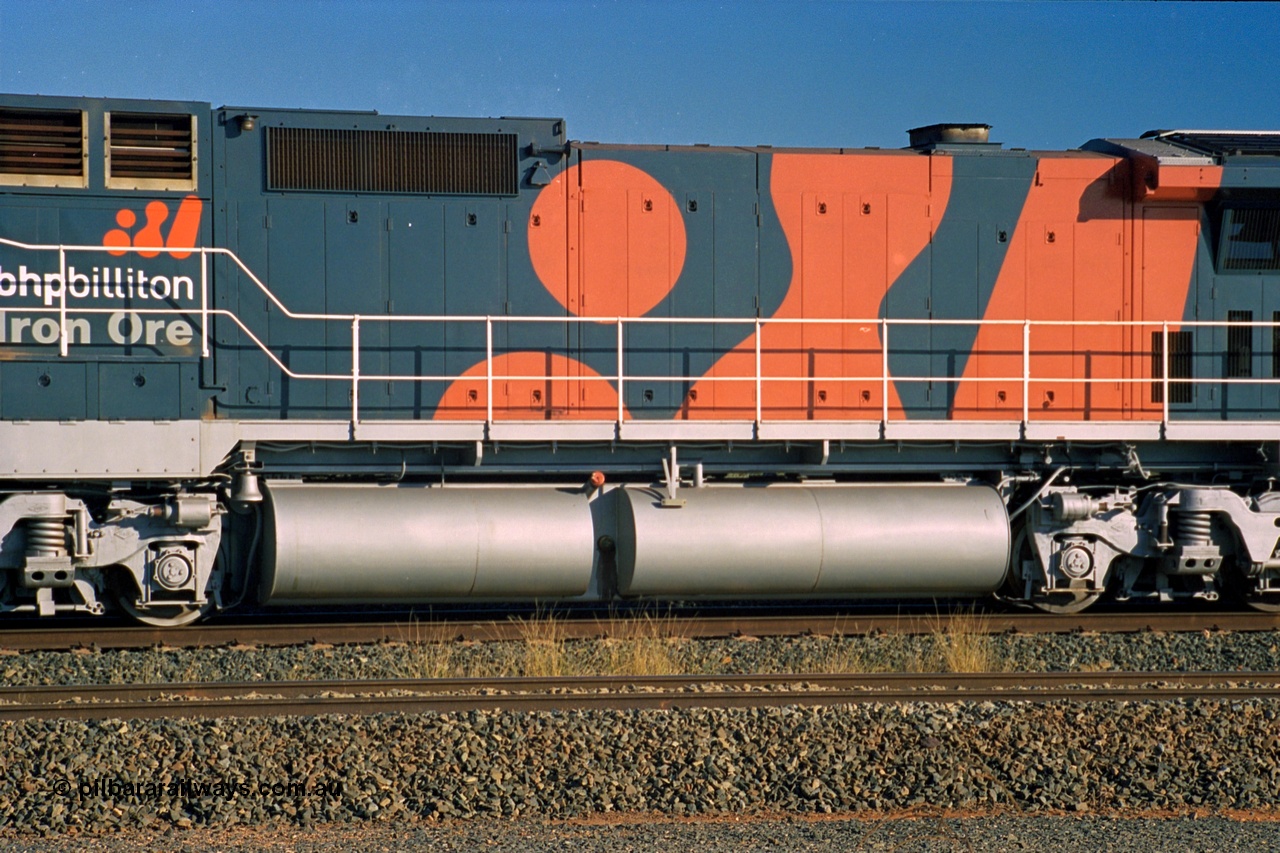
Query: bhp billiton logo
[
  {"x": 112, "y": 282},
  {"x": 120, "y": 282},
  {"x": 182, "y": 234}
]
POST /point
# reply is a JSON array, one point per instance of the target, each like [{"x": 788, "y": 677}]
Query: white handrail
[{"x": 757, "y": 324}]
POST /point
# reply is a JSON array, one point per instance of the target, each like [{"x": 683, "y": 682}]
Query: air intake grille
[
  {"x": 1179, "y": 367},
  {"x": 1251, "y": 238},
  {"x": 1275, "y": 345},
  {"x": 42, "y": 142},
  {"x": 149, "y": 146},
  {"x": 391, "y": 161},
  {"x": 1239, "y": 345}
]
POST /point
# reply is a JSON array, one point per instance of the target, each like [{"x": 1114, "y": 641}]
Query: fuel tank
[
  {"x": 920, "y": 540},
  {"x": 366, "y": 544}
]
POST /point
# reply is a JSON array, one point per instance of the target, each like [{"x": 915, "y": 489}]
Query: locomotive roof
[
  {"x": 1194, "y": 147},
  {"x": 966, "y": 150}
]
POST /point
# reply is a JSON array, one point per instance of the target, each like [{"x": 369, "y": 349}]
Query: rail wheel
[
  {"x": 1064, "y": 601},
  {"x": 1059, "y": 601},
  {"x": 174, "y": 615},
  {"x": 1246, "y": 589},
  {"x": 1267, "y": 604},
  {"x": 167, "y": 616}
]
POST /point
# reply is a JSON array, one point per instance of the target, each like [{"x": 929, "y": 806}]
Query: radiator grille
[
  {"x": 391, "y": 161},
  {"x": 151, "y": 146},
  {"x": 42, "y": 142}
]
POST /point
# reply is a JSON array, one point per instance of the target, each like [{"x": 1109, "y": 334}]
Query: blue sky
[{"x": 1045, "y": 74}]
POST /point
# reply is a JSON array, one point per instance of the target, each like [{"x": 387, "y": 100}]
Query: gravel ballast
[
  {"x": 1202, "y": 651},
  {"x": 1024, "y": 758},
  {"x": 909, "y": 834},
  {"x": 1005, "y": 761}
]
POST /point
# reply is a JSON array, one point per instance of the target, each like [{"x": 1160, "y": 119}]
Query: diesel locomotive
[{"x": 292, "y": 357}]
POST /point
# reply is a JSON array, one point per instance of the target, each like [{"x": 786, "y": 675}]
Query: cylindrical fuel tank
[
  {"x": 839, "y": 540},
  {"x": 361, "y": 544}
]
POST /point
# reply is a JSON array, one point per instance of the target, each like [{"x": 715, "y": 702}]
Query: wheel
[
  {"x": 1246, "y": 590},
  {"x": 1267, "y": 604},
  {"x": 167, "y": 616},
  {"x": 1062, "y": 602}
]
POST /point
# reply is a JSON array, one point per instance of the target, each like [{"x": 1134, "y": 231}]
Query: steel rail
[
  {"x": 571, "y": 628},
  {"x": 309, "y": 698}
]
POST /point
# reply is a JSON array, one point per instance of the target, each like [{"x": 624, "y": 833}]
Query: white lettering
[
  {"x": 78, "y": 283},
  {"x": 50, "y": 292},
  {"x": 25, "y": 278},
  {"x": 78, "y": 331},
  {"x": 97, "y": 282},
  {"x": 180, "y": 333},
  {"x": 123, "y": 328},
  {"x": 45, "y": 330},
  {"x": 116, "y": 327}
]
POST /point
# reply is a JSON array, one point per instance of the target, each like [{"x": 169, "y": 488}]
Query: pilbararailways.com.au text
[{"x": 188, "y": 789}]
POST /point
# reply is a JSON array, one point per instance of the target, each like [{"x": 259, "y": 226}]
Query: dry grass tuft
[
  {"x": 419, "y": 658},
  {"x": 647, "y": 645},
  {"x": 835, "y": 656},
  {"x": 964, "y": 644},
  {"x": 545, "y": 653},
  {"x": 428, "y": 660}
]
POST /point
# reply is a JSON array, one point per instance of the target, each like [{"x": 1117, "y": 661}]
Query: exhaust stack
[{"x": 933, "y": 136}]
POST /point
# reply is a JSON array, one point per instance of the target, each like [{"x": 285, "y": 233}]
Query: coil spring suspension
[
  {"x": 1193, "y": 528},
  {"x": 46, "y": 537}
]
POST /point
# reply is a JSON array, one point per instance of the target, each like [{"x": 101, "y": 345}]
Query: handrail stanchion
[
  {"x": 355, "y": 373},
  {"x": 759, "y": 380},
  {"x": 884, "y": 371},
  {"x": 1164, "y": 377},
  {"x": 620, "y": 373},
  {"x": 62, "y": 302},
  {"x": 204, "y": 303},
  {"x": 488, "y": 371},
  {"x": 1026, "y": 375}
]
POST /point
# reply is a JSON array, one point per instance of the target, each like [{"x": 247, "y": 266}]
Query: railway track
[
  {"x": 699, "y": 627},
  {"x": 306, "y": 698}
]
